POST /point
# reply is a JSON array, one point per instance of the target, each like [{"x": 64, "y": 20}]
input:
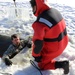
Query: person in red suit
[{"x": 50, "y": 36}]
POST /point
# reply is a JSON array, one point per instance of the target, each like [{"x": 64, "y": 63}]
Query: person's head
[
  {"x": 15, "y": 39},
  {"x": 39, "y": 6},
  {"x": 33, "y": 5}
]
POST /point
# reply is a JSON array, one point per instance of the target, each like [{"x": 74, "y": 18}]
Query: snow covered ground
[{"x": 21, "y": 22}]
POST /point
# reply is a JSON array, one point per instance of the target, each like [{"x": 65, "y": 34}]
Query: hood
[{"x": 41, "y": 6}]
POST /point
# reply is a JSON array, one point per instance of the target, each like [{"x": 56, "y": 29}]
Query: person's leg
[
  {"x": 47, "y": 66},
  {"x": 52, "y": 65}
]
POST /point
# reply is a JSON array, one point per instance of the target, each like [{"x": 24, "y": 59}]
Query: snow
[{"x": 21, "y": 24}]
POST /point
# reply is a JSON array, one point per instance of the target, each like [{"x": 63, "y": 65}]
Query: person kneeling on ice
[
  {"x": 16, "y": 46},
  {"x": 50, "y": 36}
]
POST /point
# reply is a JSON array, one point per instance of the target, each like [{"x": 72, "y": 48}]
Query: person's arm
[
  {"x": 7, "y": 53},
  {"x": 14, "y": 53},
  {"x": 38, "y": 43},
  {"x": 27, "y": 43}
]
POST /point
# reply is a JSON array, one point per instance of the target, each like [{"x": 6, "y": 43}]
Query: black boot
[{"x": 64, "y": 65}]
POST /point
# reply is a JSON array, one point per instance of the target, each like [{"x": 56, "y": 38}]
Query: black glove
[
  {"x": 38, "y": 59},
  {"x": 7, "y": 62}
]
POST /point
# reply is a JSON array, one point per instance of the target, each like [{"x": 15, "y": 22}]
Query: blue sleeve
[{"x": 9, "y": 51}]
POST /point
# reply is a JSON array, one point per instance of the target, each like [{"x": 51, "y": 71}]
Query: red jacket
[{"x": 50, "y": 49}]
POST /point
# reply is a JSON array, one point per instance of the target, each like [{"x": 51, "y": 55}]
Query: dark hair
[
  {"x": 33, "y": 3},
  {"x": 14, "y": 36}
]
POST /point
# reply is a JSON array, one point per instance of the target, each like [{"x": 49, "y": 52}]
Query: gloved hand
[
  {"x": 7, "y": 62},
  {"x": 38, "y": 59},
  {"x": 29, "y": 44}
]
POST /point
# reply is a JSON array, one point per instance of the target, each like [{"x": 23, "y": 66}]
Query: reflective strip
[{"x": 48, "y": 23}]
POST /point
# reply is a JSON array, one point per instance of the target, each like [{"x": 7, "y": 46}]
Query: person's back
[{"x": 55, "y": 37}]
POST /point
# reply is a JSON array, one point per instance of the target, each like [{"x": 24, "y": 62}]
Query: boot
[{"x": 64, "y": 65}]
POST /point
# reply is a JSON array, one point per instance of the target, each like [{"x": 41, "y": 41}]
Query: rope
[{"x": 32, "y": 63}]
